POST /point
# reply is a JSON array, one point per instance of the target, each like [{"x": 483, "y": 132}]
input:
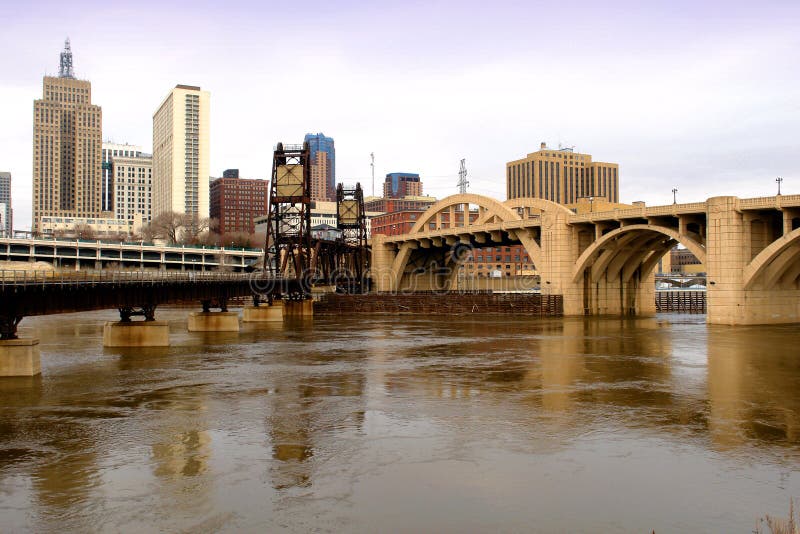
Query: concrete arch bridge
[{"x": 604, "y": 262}]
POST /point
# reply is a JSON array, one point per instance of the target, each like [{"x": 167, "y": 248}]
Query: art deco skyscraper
[
  {"x": 180, "y": 153},
  {"x": 67, "y": 139}
]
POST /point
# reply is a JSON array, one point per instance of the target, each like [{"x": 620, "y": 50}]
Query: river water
[{"x": 405, "y": 424}]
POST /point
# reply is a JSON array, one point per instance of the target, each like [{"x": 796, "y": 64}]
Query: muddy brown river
[{"x": 404, "y": 424}]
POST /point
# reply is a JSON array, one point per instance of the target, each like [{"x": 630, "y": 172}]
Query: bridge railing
[{"x": 16, "y": 278}]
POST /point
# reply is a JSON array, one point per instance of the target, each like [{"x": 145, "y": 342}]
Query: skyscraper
[
  {"x": 67, "y": 138},
  {"x": 110, "y": 151},
  {"x": 402, "y": 184},
  {"x": 323, "y": 166},
  {"x": 133, "y": 185},
  {"x": 6, "y": 213},
  {"x": 180, "y": 152},
  {"x": 562, "y": 176}
]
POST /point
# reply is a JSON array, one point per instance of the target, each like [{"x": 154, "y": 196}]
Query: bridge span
[{"x": 604, "y": 262}]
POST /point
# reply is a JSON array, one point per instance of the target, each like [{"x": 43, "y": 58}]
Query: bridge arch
[
  {"x": 491, "y": 213},
  {"x": 776, "y": 263},
  {"x": 539, "y": 204},
  {"x": 487, "y": 207},
  {"x": 624, "y": 250}
]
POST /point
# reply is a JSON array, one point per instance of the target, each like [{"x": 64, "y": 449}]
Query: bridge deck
[{"x": 43, "y": 293}]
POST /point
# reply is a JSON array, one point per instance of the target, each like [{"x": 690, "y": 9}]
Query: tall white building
[
  {"x": 110, "y": 151},
  {"x": 180, "y": 153},
  {"x": 5, "y": 220},
  {"x": 133, "y": 186},
  {"x": 6, "y": 214}
]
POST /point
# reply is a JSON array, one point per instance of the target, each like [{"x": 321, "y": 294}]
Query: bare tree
[
  {"x": 83, "y": 231},
  {"x": 236, "y": 239},
  {"x": 168, "y": 226},
  {"x": 195, "y": 228},
  {"x": 182, "y": 228}
]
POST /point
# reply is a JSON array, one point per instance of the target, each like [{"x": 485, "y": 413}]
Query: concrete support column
[
  {"x": 729, "y": 254},
  {"x": 221, "y": 321},
  {"x": 298, "y": 308},
  {"x": 20, "y": 357},
  {"x": 263, "y": 313},
  {"x": 559, "y": 246},
  {"x": 383, "y": 256},
  {"x": 136, "y": 334}
]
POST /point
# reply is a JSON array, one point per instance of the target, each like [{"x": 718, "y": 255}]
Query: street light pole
[
  {"x": 674, "y": 195},
  {"x": 779, "y": 180}
]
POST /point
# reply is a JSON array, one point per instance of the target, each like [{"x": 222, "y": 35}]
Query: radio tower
[
  {"x": 372, "y": 164},
  {"x": 462, "y": 177},
  {"x": 65, "y": 68}
]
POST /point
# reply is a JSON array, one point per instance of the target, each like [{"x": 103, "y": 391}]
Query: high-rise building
[
  {"x": 402, "y": 184},
  {"x": 133, "y": 185},
  {"x": 111, "y": 150},
  {"x": 180, "y": 153},
  {"x": 6, "y": 212},
  {"x": 67, "y": 138},
  {"x": 236, "y": 202},
  {"x": 562, "y": 176},
  {"x": 323, "y": 166}
]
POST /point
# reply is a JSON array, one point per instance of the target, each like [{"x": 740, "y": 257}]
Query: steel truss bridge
[{"x": 24, "y": 294}]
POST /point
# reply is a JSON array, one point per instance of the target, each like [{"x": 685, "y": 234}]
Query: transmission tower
[
  {"x": 462, "y": 177},
  {"x": 65, "y": 67}
]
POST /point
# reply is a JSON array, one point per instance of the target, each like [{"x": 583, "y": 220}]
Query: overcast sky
[{"x": 702, "y": 96}]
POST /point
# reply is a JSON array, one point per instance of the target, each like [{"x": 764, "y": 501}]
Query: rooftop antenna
[
  {"x": 65, "y": 68},
  {"x": 462, "y": 177},
  {"x": 372, "y": 164}
]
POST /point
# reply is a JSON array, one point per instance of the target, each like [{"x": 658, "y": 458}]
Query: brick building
[
  {"x": 236, "y": 202},
  {"x": 391, "y": 205}
]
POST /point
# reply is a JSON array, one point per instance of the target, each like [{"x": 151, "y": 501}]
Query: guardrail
[{"x": 10, "y": 278}]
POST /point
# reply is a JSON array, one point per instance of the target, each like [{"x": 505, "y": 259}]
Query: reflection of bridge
[{"x": 603, "y": 262}]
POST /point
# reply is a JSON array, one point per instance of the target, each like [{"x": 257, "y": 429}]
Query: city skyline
[{"x": 698, "y": 98}]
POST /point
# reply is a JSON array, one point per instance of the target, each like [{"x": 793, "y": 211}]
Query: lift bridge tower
[
  {"x": 353, "y": 256},
  {"x": 288, "y": 251}
]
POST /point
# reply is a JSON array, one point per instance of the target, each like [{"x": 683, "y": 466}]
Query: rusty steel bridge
[{"x": 24, "y": 294}]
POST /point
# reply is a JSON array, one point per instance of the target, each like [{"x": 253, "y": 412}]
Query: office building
[
  {"x": 401, "y": 222},
  {"x": 237, "y": 202},
  {"x": 6, "y": 212},
  {"x": 402, "y": 184},
  {"x": 111, "y": 150},
  {"x": 4, "y": 220},
  {"x": 561, "y": 175},
  {"x": 181, "y": 152},
  {"x": 322, "y": 154},
  {"x": 499, "y": 262},
  {"x": 133, "y": 186},
  {"x": 391, "y": 205},
  {"x": 67, "y": 139}
]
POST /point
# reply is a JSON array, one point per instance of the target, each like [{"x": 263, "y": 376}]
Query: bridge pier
[
  {"x": 20, "y": 357},
  {"x": 263, "y": 313},
  {"x": 744, "y": 275},
  {"x": 208, "y": 321},
  {"x": 298, "y": 308},
  {"x": 136, "y": 334}
]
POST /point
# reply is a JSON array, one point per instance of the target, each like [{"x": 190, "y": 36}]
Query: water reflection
[
  {"x": 331, "y": 424},
  {"x": 753, "y": 385}
]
